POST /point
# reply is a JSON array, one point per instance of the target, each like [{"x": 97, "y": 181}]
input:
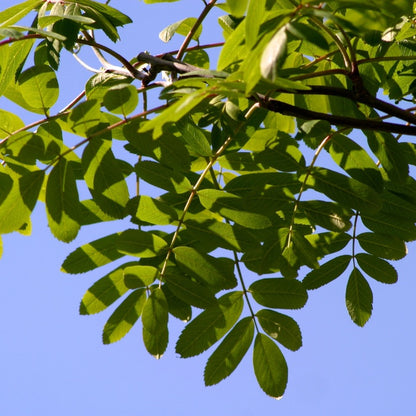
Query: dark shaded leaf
[
  {"x": 326, "y": 273},
  {"x": 269, "y": 366},
  {"x": 383, "y": 245},
  {"x": 377, "y": 268},
  {"x": 230, "y": 352},
  {"x": 210, "y": 325},
  {"x": 279, "y": 293},
  {"x": 281, "y": 327},
  {"x": 359, "y": 298}
]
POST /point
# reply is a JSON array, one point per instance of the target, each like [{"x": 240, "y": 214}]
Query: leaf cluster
[{"x": 258, "y": 190}]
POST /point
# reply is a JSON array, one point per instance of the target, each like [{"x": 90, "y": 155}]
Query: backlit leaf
[
  {"x": 39, "y": 86},
  {"x": 62, "y": 202},
  {"x": 105, "y": 178},
  {"x": 140, "y": 243},
  {"x": 124, "y": 317},
  {"x": 155, "y": 323},
  {"x": 104, "y": 292},
  {"x": 189, "y": 291},
  {"x": 232, "y": 207},
  {"x": 92, "y": 255},
  {"x": 204, "y": 268}
]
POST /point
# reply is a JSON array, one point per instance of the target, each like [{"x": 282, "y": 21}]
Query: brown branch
[
  {"x": 194, "y": 28},
  {"x": 365, "y": 124}
]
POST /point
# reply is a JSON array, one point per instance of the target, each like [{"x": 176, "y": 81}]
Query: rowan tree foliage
[{"x": 245, "y": 214}]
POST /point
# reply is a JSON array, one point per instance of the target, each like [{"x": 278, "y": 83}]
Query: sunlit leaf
[
  {"x": 39, "y": 86},
  {"x": 206, "y": 269},
  {"x": 105, "y": 178},
  {"x": 104, "y": 292},
  {"x": 92, "y": 255},
  {"x": 62, "y": 202},
  {"x": 140, "y": 243},
  {"x": 155, "y": 320},
  {"x": 124, "y": 317}
]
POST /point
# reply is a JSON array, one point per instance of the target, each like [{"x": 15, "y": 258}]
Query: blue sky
[{"x": 52, "y": 361}]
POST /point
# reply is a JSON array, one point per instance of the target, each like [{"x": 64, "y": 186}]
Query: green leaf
[
  {"x": 355, "y": 161},
  {"x": 326, "y": 273},
  {"x": 11, "y": 60},
  {"x": 163, "y": 177},
  {"x": 206, "y": 269},
  {"x": 9, "y": 123},
  {"x": 168, "y": 149},
  {"x": 194, "y": 137},
  {"x": 274, "y": 55},
  {"x": 328, "y": 215},
  {"x": 359, "y": 298},
  {"x": 13, "y": 14},
  {"x": 347, "y": 191},
  {"x": 270, "y": 366},
  {"x": 279, "y": 293},
  {"x": 307, "y": 33},
  {"x": 155, "y": 323},
  {"x": 124, "y": 317},
  {"x": 92, "y": 255},
  {"x": 30, "y": 187},
  {"x": 140, "y": 276},
  {"x": 388, "y": 150},
  {"x": 280, "y": 327},
  {"x": 174, "y": 112},
  {"x": 183, "y": 27},
  {"x": 218, "y": 234},
  {"x": 383, "y": 245},
  {"x": 232, "y": 207},
  {"x": 230, "y": 352},
  {"x": 39, "y": 86},
  {"x": 121, "y": 99},
  {"x": 189, "y": 291},
  {"x": 210, "y": 325},
  {"x": 104, "y": 292},
  {"x": 62, "y": 202},
  {"x": 116, "y": 17},
  {"x": 140, "y": 243},
  {"x": 155, "y": 211},
  {"x": 177, "y": 307},
  {"x": 104, "y": 178},
  {"x": 377, "y": 268},
  {"x": 14, "y": 213}
]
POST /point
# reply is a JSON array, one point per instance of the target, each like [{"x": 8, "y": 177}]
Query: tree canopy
[{"x": 233, "y": 165}]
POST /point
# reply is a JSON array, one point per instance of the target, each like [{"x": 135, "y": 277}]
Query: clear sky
[{"x": 52, "y": 361}]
